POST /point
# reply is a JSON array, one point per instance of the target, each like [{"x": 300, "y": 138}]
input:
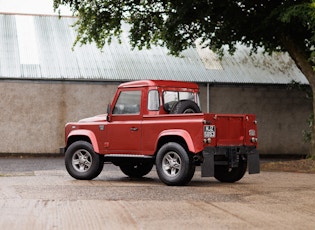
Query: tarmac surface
[{"x": 38, "y": 193}]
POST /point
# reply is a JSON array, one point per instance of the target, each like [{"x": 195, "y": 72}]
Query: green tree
[{"x": 276, "y": 25}]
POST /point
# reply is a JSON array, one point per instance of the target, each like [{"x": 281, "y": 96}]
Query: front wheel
[
  {"x": 174, "y": 165},
  {"x": 223, "y": 173},
  {"x": 82, "y": 162}
]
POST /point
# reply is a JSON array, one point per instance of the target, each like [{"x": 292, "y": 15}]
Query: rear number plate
[{"x": 209, "y": 131}]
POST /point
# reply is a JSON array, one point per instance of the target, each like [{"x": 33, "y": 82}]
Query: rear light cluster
[
  {"x": 254, "y": 140},
  {"x": 252, "y": 134},
  {"x": 207, "y": 140}
]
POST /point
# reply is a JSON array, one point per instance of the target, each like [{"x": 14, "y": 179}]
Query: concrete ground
[{"x": 38, "y": 193}]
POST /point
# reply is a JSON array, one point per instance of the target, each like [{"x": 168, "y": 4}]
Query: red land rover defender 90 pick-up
[{"x": 160, "y": 122}]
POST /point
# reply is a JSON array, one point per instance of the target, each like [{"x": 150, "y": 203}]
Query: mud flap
[
  {"x": 253, "y": 162},
  {"x": 207, "y": 166}
]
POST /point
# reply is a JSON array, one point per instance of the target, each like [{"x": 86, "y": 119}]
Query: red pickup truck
[{"x": 160, "y": 122}]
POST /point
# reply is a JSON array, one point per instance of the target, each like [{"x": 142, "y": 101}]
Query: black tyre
[
  {"x": 82, "y": 162},
  {"x": 185, "y": 106},
  {"x": 174, "y": 165},
  {"x": 230, "y": 175},
  {"x": 136, "y": 169}
]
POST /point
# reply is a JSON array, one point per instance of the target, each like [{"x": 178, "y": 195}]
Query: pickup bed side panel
[{"x": 188, "y": 127}]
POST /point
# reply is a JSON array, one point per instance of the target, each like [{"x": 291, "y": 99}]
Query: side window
[
  {"x": 153, "y": 100},
  {"x": 128, "y": 103},
  {"x": 171, "y": 97}
]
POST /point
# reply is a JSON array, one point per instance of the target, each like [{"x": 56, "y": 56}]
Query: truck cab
[
  {"x": 152, "y": 97},
  {"x": 133, "y": 102}
]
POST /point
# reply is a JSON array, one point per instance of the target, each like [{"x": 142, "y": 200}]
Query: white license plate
[{"x": 209, "y": 131}]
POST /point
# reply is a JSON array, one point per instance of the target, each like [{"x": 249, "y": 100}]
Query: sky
[{"x": 31, "y": 7}]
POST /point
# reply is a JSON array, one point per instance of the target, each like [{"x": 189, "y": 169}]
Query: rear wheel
[
  {"x": 82, "y": 162},
  {"x": 174, "y": 165},
  {"x": 224, "y": 173},
  {"x": 136, "y": 169}
]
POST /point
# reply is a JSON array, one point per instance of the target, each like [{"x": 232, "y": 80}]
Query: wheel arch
[
  {"x": 83, "y": 135},
  {"x": 179, "y": 136}
]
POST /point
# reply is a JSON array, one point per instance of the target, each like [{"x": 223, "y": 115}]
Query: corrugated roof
[
  {"x": 278, "y": 68},
  {"x": 117, "y": 62}
]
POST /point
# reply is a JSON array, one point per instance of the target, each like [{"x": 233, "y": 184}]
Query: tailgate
[{"x": 234, "y": 129}]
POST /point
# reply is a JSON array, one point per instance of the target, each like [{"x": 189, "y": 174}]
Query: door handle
[{"x": 133, "y": 129}]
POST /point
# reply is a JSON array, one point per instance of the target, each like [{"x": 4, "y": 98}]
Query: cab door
[{"x": 123, "y": 134}]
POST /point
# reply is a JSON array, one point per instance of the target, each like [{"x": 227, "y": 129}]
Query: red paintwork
[{"x": 140, "y": 133}]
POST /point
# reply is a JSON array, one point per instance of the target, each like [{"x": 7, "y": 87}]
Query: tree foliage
[
  {"x": 177, "y": 24},
  {"x": 276, "y": 25}
]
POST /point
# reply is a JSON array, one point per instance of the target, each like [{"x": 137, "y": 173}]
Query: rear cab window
[{"x": 171, "y": 97}]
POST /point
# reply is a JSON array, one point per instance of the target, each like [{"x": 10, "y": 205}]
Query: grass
[{"x": 301, "y": 166}]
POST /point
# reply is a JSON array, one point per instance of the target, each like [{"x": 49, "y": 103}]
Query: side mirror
[{"x": 108, "y": 113}]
